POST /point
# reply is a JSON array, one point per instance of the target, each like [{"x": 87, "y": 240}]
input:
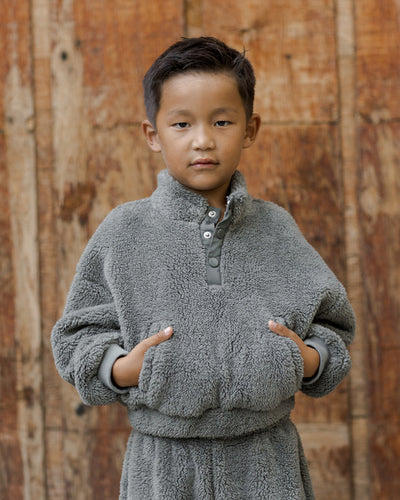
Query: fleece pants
[{"x": 268, "y": 465}]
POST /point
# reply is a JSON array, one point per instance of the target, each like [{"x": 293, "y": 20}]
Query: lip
[{"x": 204, "y": 163}]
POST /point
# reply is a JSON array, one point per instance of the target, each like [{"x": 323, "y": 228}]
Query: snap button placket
[{"x": 212, "y": 234}]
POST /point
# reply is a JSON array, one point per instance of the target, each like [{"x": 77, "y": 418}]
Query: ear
[
  {"x": 252, "y": 128},
  {"x": 151, "y": 136}
]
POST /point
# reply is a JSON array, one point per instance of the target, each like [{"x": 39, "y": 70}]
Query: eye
[
  {"x": 181, "y": 125},
  {"x": 222, "y": 123}
]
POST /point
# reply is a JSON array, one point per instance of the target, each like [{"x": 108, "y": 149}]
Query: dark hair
[{"x": 198, "y": 55}]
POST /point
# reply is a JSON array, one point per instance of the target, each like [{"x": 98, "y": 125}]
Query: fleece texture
[{"x": 223, "y": 378}]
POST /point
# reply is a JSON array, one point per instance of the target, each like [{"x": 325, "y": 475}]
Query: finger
[
  {"x": 157, "y": 338},
  {"x": 279, "y": 329}
]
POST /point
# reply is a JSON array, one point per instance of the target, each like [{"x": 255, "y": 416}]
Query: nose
[{"x": 203, "y": 138}]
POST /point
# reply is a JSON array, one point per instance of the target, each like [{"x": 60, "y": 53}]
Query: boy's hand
[
  {"x": 126, "y": 370},
  {"x": 310, "y": 356}
]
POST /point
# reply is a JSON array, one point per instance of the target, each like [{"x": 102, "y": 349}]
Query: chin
[{"x": 203, "y": 186}]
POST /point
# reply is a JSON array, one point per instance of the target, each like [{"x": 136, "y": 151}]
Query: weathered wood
[
  {"x": 7, "y": 287},
  {"x": 292, "y": 48},
  {"x": 41, "y": 42},
  {"x": 11, "y": 471},
  {"x": 379, "y": 187},
  {"x": 20, "y": 153},
  {"x": 358, "y": 401},
  {"x": 44, "y": 137},
  {"x": 24, "y": 375},
  {"x": 378, "y": 55},
  {"x": 327, "y": 450}
]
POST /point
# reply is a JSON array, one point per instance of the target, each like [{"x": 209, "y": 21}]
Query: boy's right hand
[{"x": 126, "y": 370}]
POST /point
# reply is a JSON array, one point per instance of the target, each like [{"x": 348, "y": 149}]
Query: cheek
[
  {"x": 234, "y": 142},
  {"x": 172, "y": 156},
  {"x": 233, "y": 148},
  {"x": 176, "y": 142}
]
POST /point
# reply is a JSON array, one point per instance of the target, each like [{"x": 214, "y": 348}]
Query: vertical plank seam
[
  {"x": 36, "y": 174},
  {"x": 358, "y": 397}
]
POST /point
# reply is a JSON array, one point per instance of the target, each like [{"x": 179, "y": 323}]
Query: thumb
[
  {"x": 279, "y": 329},
  {"x": 159, "y": 337}
]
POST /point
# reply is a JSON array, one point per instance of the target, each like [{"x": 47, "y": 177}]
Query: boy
[{"x": 185, "y": 305}]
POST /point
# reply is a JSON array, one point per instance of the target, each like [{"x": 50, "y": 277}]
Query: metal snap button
[
  {"x": 212, "y": 213},
  {"x": 207, "y": 235},
  {"x": 213, "y": 262}
]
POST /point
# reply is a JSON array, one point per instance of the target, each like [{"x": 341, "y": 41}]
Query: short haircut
[{"x": 202, "y": 54}]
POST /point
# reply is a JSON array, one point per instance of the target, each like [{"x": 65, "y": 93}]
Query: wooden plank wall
[{"x": 328, "y": 90}]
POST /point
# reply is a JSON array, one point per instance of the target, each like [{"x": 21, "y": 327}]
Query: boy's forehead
[
  {"x": 210, "y": 76},
  {"x": 189, "y": 83}
]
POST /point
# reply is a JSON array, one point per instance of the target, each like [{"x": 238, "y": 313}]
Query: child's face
[{"x": 201, "y": 131}]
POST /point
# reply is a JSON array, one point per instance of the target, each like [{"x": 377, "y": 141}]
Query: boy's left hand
[{"x": 310, "y": 356}]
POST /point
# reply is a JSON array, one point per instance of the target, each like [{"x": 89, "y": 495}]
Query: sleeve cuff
[
  {"x": 320, "y": 346},
  {"x": 111, "y": 355}
]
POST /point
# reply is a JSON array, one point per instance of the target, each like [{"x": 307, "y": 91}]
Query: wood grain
[
  {"x": 378, "y": 54},
  {"x": 358, "y": 391},
  {"x": 292, "y": 48},
  {"x": 21, "y": 253},
  {"x": 11, "y": 475},
  {"x": 42, "y": 78},
  {"x": 379, "y": 188},
  {"x": 328, "y": 454}
]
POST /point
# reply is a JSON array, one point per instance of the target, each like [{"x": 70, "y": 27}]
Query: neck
[{"x": 216, "y": 197}]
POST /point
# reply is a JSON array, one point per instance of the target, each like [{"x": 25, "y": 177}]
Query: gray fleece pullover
[{"x": 223, "y": 376}]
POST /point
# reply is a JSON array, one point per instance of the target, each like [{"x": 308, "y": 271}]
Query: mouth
[{"x": 200, "y": 163}]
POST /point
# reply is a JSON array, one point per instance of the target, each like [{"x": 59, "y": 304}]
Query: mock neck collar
[{"x": 175, "y": 201}]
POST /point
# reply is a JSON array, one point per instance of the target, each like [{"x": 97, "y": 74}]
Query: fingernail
[
  {"x": 168, "y": 331},
  {"x": 272, "y": 324}
]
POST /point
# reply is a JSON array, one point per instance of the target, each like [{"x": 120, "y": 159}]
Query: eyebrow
[
  {"x": 183, "y": 112},
  {"x": 186, "y": 112},
  {"x": 225, "y": 110}
]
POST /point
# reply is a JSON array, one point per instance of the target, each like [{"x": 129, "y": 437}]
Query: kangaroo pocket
[
  {"x": 178, "y": 376},
  {"x": 261, "y": 368}
]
